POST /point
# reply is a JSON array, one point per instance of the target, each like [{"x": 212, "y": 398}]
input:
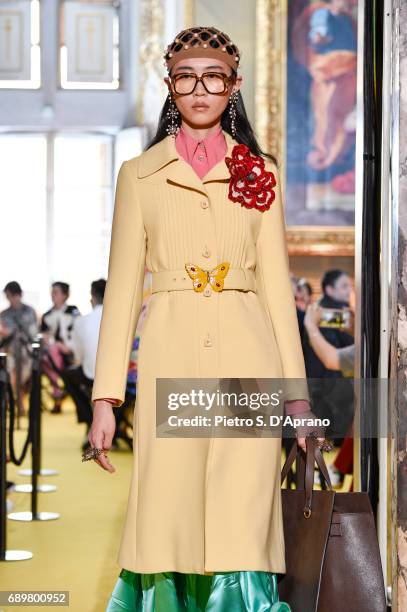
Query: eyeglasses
[{"x": 214, "y": 82}]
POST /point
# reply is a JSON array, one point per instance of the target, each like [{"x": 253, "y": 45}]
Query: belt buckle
[{"x": 201, "y": 278}]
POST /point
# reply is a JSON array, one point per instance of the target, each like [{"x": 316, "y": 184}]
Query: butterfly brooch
[
  {"x": 250, "y": 183},
  {"x": 202, "y": 277}
]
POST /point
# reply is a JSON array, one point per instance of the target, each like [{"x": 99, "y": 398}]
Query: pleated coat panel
[{"x": 197, "y": 504}]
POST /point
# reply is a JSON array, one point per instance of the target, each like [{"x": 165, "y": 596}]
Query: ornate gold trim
[
  {"x": 270, "y": 77},
  {"x": 189, "y": 13},
  {"x": 152, "y": 17},
  {"x": 314, "y": 240}
]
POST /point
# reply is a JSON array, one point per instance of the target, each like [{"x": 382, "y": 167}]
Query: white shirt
[{"x": 85, "y": 340}]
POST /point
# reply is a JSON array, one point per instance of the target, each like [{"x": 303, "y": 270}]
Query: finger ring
[
  {"x": 325, "y": 446},
  {"x": 91, "y": 453}
]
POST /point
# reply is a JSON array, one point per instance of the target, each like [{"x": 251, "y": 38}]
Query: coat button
[
  {"x": 204, "y": 204},
  {"x": 207, "y": 291},
  {"x": 207, "y": 340},
  {"x": 206, "y": 252}
]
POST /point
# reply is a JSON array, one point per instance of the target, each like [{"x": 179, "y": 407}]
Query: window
[
  {"x": 20, "y": 44},
  {"x": 89, "y": 50},
  {"x": 24, "y": 210},
  {"x": 56, "y": 194},
  {"x": 81, "y": 209}
]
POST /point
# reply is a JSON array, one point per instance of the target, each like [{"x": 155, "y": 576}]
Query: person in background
[
  {"x": 303, "y": 294},
  {"x": 78, "y": 377},
  {"x": 18, "y": 327},
  {"x": 332, "y": 400},
  {"x": 336, "y": 290},
  {"x": 56, "y": 325},
  {"x": 340, "y": 359},
  {"x": 300, "y": 313},
  {"x": 333, "y": 358}
]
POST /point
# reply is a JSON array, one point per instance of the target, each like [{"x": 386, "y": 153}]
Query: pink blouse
[{"x": 202, "y": 155}]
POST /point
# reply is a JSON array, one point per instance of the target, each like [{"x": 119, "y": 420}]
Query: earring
[
  {"x": 172, "y": 116},
  {"x": 232, "y": 112}
]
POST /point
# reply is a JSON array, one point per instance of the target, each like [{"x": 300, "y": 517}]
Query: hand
[
  {"x": 102, "y": 431},
  {"x": 63, "y": 347},
  {"x": 312, "y": 316},
  {"x": 302, "y": 443},
  {"x": 351, "y": 329},
  {"x": 303, "y": 429},
  {"x": 4, "y": 330}
]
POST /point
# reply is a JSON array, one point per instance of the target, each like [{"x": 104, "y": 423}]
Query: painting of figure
[{"x": 321, "y": 112}]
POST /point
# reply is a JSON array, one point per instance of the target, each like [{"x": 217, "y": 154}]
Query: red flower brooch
[{"x": 250, "y": 184}]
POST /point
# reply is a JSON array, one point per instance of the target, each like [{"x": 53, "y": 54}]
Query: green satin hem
[{"x": 242, "y": 591}]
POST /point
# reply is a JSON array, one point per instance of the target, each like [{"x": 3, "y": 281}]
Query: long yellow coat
[{"x": 197, "y": 504}]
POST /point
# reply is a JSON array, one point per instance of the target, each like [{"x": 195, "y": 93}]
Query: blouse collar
[{"x": 190, "y": 144}]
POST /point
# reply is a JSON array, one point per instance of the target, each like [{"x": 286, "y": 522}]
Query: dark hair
[
  {"x": 64, "y": 287},
  {"x": 97, "y": 290},
  {"x": 330, "y": 277},
  {"x": 14, "y": 288},
  {"x": 244, "y": 131},
  {"x": 303, "y": 283}
]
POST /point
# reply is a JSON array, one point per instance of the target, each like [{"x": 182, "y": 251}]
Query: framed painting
[{"x": 306, "y": 116}]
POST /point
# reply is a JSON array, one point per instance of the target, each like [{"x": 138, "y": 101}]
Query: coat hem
[{"x": 188, "y": 569}]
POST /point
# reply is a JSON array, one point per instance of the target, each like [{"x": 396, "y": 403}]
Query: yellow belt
[{"x": 175, "y": 280}]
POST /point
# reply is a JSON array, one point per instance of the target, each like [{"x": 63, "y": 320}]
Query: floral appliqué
[{"x": 250, "y": 183}]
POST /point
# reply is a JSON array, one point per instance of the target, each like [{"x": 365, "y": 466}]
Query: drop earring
[
  {"x": 172, "y": 118},
  {"x": 232, "y": 112}
]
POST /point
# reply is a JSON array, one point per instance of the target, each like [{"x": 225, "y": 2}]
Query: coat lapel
[{"x": 164, "y": 156}]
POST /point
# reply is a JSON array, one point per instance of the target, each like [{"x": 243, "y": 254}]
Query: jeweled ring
[
  {"x": 325, "y": 445},
  {"x": 91, "y": 453}
]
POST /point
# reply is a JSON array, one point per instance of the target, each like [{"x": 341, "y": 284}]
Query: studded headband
[{"x": 201, "y": 41}]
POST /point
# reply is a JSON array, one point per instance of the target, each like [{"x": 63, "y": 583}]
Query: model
[{"x": 201, "y": 208}]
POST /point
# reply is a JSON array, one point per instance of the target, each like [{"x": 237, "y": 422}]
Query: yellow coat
[{"x": 197, "y": 504}]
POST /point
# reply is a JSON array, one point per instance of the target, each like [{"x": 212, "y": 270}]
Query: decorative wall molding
[
  {"x": 321, "y": 241},
  {"x": 152, "y": 21},
  {"x": 271, "y": 70}
]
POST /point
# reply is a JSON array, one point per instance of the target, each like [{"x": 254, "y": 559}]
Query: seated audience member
[
  {"x": 57, "y": 324},
  {"x": 79, "y": 377},
  {"x": 18, "y": 327}
]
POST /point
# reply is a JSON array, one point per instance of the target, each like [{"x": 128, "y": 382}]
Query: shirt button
[
  {"x": 204, "y": 204},
  {"x": 200, "y": 157},
  {"x": 207, "y": 291},
  {"x": 206, "y": 253}
]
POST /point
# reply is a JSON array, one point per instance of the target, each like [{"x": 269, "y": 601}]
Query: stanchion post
[
  {"x": 35, "y": 427},
  {"x": 41, "y": 471},
  {"x": 5, "y": 555},
  {"x": 3, "y": 435},
  {"x": 35, "y": 415}
]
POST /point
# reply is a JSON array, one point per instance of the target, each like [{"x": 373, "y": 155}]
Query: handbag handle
[{"x": 313, "y": 453}]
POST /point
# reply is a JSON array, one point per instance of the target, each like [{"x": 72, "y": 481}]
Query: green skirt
[{"x": 242, "y": 591}]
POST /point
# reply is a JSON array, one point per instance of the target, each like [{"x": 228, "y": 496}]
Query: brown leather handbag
[{"x": 331, "y": 547}]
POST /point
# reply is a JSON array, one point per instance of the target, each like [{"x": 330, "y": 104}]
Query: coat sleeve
[
  {"x": 124, "y": 290},
  {"x": 276, "y": 294}
]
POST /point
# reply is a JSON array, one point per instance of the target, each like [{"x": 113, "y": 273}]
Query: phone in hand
[{"x": 336, "y": 318}]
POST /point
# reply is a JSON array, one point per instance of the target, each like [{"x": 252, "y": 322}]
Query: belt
[{"x": 175, "y": 280}]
